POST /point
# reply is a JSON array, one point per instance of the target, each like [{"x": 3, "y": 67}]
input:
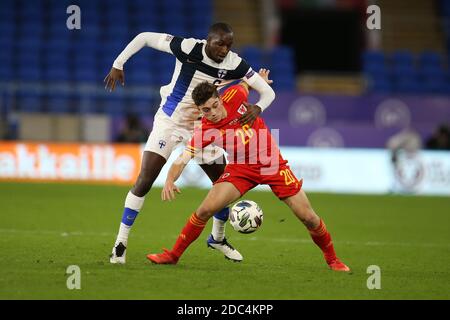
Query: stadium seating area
[
  {"x": 54, "y": 69},
  {"x": 404, "y": 72},
  {"x": 280, "y": 60},
  {"x": 37, "y": 47}
]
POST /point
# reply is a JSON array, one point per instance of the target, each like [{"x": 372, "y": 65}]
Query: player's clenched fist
[{"x": 113, "y": 76}]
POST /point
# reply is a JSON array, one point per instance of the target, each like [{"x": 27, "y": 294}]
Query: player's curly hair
[{"x": 203, "y": 92}]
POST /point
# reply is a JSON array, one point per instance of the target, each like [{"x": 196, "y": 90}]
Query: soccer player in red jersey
[{"x": 254, "y": 158}]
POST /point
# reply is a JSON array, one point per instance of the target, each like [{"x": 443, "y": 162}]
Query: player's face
[
  {"x": 218, "y": 45},
  {"x": 213, "y": 110}
]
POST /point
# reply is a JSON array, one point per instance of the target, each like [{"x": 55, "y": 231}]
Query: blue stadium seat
[
  {"x": 29, "y": 102},
  {"x": 27, "y": 72},
  {"x": 84, "y": 74},
  {"x": 375, "y": 57},
  {"x": 430, "y": 58},
  {"x": 58, "y": 58},
  {"x": 408, "y": 84},
  {"x": 172, "y": 5},
  {"x": 380, "y": 84},
  {"x": 434, "y": 85},
  {"x": 30, "y": 30},
  {"x": 28, "y": 58},
  {"x": 283, "y": 81},
  {"x": 8, "y": 29},
  {"x": 432, "y": 71},
  {"x": 166, "y": 62},
  {"x": 140, "y": 77},
  {"x": 56, "y": 73},
  {"x": 113, "y": 105},
  {"x": 28, "y": 43},
  {"x": 59, "y": 103},
  {"x": 253, "y": 56},
  {"x": 406, "y": 70},
  {"x": 282, "y": 53},
  {"x": 142, "y": 106},
  {"x": 402, "y": 58},
  {"x": 144, "y": 4},
  {"x": 117, "y": 17},
  {"x": 6, "y": 70},
  {"x": 56, "y": 45}
]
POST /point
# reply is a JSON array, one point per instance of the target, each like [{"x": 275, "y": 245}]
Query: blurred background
[{"x": 339, "y": 85}]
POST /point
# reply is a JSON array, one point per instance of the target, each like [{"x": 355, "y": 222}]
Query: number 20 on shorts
[{"x": 288, "y": 176}]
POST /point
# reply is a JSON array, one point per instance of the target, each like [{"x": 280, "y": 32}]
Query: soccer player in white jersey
[{"x": 196, "y": 61}]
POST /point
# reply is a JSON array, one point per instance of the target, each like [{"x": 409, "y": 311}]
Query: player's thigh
[
  {"x": 220, "y": 196},
  {"x": 161, "y": 140}
]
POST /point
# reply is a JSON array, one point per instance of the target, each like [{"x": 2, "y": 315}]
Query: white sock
[
  {"x": 122, "y": 236},
  {"x": 218, "y": 229},
  {"x": 133, "y": 205}
]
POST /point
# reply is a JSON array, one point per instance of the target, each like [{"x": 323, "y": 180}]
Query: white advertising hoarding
[{"x": 352, "y": 171}]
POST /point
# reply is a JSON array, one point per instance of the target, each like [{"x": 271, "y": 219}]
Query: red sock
[
  {"x": 322, "y": 239},
  {"x": 189, "y": 234}
]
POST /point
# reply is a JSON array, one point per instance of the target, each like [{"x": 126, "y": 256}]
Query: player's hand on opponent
[
  {"x": 168, "y": 192},
  {"x": 113, "y": 76},
  {"x": 253, "y": 111},
  {"x": 264, "y": 73}
]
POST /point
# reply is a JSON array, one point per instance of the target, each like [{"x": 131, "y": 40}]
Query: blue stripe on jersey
[{"x": 179, "y": 90}]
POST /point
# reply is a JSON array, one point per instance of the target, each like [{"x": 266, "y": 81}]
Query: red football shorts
[{"x": 245, "y": 177}]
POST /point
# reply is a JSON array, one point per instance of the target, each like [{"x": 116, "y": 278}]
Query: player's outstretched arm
[
  {"x": 169, "y": 190},
  {"x": 158, "y": 41}
]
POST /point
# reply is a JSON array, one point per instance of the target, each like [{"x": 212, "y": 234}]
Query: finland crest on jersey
[
  {"x": 192, "y": 67},
  {"x": 222, "y": 73}
]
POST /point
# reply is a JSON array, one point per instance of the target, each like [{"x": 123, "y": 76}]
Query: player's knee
[{"x": 205, "y": 212}]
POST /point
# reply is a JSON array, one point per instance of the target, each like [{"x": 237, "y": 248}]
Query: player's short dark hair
[
  {"x": 220, "y": 26},
  {"x": 203, "y": 92}
]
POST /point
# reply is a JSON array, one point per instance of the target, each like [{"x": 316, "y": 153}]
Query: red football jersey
[{"x": 244, "y": 144}]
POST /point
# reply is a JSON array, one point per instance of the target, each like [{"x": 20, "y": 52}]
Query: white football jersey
[{"x": 192, "y": 67}]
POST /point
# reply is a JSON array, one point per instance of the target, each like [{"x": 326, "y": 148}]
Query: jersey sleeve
[{"x": 158, "y": 41}]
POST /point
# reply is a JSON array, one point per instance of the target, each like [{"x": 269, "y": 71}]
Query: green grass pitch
[{"x": 46, "y": 228}]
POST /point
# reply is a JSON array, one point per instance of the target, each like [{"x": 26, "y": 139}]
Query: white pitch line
[{"x": 240, "y": 238}]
